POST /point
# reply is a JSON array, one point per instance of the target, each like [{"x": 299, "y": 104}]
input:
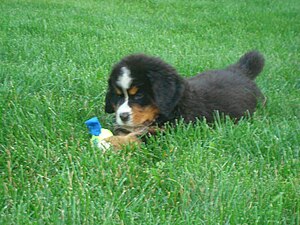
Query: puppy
[{"x": 144, "y": 91}]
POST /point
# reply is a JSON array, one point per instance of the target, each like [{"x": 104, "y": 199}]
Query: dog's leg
[
  {"x": 117, "y": 142},
  {"x": 135, "y": 138}
]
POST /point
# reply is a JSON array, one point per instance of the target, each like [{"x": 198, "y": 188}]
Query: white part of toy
[{"x": 103, "y": 145}]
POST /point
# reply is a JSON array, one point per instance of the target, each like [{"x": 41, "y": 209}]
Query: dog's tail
[{"x": 250, "y": 64}]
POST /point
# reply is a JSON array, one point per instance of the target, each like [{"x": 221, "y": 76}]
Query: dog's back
[{"x": 231, "y": 91}]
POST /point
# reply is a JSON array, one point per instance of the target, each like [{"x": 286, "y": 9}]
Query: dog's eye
[
  {"x": 138, "y": 96},
  {"x": 119, "y": 96}
]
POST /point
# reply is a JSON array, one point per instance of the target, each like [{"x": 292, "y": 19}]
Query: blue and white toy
[{"x": 98, "y": 133}]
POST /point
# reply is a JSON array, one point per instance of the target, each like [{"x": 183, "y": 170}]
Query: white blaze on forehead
[{"x": 124, "y": 80}]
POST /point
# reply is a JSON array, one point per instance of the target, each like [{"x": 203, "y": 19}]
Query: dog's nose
[{"x": 124, "y": 116}]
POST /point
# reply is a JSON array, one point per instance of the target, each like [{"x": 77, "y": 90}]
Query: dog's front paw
[{"x": 117, "y": 142}]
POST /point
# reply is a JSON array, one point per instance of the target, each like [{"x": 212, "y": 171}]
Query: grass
[{"x": 54, "y": 63}]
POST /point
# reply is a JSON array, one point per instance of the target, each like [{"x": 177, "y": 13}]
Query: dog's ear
[
  {"x": 167, "y": 87},
  {"x": 108, "y": 100},
  {"x": 108, "y": 105}
]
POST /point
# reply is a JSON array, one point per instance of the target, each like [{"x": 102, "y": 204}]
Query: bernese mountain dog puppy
[{"x": 144, "y": 91}]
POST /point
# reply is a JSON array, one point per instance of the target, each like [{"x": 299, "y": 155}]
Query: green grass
[{"x": 55, "y": 60}]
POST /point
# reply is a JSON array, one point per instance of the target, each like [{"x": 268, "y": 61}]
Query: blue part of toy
[{"x": 94, "y": 126}]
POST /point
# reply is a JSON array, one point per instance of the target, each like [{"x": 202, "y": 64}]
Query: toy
[{"x": 98, "y": 133}]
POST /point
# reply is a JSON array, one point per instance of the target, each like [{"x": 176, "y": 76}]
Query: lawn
[{"x": 55, "y": 58}]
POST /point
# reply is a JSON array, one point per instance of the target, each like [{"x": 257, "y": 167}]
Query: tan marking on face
[
  {"x": 118, "y": 91},
  {"x": 133, "y": 90},
  {"x": 142, "y": 115}
]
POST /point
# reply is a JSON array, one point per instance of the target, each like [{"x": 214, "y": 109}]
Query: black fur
[
  {"x": 108, "y": 99},
  {"x": 231, "y": 91}
]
